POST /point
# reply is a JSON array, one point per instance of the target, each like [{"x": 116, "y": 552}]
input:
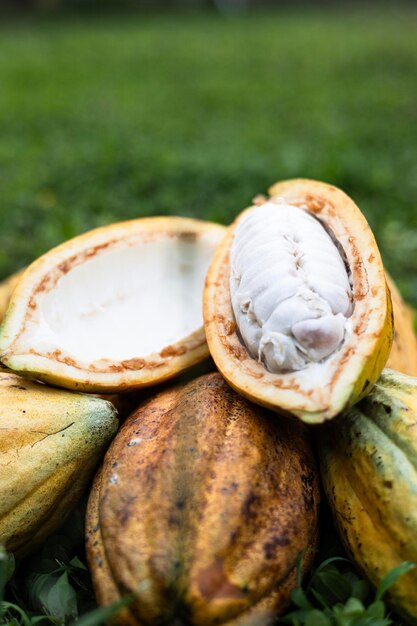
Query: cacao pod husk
[
  {"x": 201, "y": 508},
  {"x": 6, "y": 289},
  {"x": 51, "y": 443},
  {"x": 368, "y": 464},
  {"x": 403, "y": 355},
  {"x": 323, "y": 388},
  {"x": 78, "y": 317}
]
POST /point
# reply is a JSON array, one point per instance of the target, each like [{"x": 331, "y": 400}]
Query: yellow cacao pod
[
  {"x": 403, "y": 355},
  {"x": 369, "y": 470},
  {"x": 51, "y": 443}
]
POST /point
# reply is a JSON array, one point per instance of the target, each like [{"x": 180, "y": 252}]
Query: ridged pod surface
[
  {"x": 201, "y": 507},
  {"x": 297, "y": 312},
  {"x": 403, "y": 355},
  {"x": 51, "y": 442},
  {"x": 369, "y": 470}
]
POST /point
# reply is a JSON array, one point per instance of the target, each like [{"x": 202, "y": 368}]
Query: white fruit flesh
[
  {"x": 290, "y": 289},
  {"x": 115, "y": 309},
  {"x": 124, "y": 303}
]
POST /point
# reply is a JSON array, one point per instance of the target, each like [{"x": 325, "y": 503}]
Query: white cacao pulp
[
  {"x": 290, "y": 287},
  {"x": 117, "y": 308}
]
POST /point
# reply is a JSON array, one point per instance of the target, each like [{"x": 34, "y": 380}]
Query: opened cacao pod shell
[
  {"x": 297, "y": 312},
  {"x": 115, "y": 309},
  {"x": 201, "y": 508}
]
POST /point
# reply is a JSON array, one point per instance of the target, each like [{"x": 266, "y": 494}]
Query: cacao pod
[
  {"x": 297, "y": 312},
  {"x": 201, "y": 508},
  {"x": 403, "y": 355},
  {"x": 369, "y": 470},
  {"x": 115, "y": 309},
  {"x": 6, "y": 289},
  {"x": 51, "y": 442}
]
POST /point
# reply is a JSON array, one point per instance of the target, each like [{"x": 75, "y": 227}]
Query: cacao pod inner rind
[{"x": 115, "y": 309}]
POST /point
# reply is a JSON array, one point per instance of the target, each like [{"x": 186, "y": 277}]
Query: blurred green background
[{"x": 116, "y": 116}]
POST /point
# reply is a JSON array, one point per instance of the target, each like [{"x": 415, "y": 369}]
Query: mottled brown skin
[{"x": 202, "y": 507}]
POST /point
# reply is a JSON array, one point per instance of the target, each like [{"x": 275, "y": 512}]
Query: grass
[{"x": 109, "y": 119}]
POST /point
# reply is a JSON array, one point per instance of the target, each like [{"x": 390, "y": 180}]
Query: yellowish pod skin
[
  {"x": 360, "y": 359},
  {"x": 104, "y": 375},
  {"x": 368, "y": 466},
  {"x": 51, "y": 442},
  {"x": 403, "y": 355},
  {"x": 201, "y": 507},
  {"x": 6, "y": 289}
]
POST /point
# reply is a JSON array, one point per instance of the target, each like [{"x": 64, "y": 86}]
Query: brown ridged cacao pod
[{"x": 201, "y": 508}]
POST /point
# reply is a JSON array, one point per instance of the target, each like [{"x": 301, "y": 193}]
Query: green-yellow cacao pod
[
  {"x": 369, "y": 470},
  {"x": 201, "y": 508},
  {"x": 51, "y": 442}
]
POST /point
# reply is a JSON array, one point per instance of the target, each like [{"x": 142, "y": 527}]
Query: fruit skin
[
  {"x": 6, "y": 289},
  {"x": 361, "y": 359},
  {"x": 51, "y": 443},
  {"x": 403, "y": 355},
  {"x": 202, "y": 506},
  {"x": 104, "y": 375},
  {"x": 369, "y": 470}
]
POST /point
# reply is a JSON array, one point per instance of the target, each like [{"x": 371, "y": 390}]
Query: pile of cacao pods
[{"x": 209, "y": 492}]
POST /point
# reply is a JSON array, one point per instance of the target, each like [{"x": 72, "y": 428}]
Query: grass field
[{"x": 108, "y": 119}]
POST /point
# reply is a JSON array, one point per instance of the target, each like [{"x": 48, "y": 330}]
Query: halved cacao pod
[
  {"x": 115, "y": 309},
  {"x": 124, "y": 403},
  {"x": 51, "y": 443},
  {"x": 369, "y": 471},
  {"x": 403, "y": 355},
  {"x": 297, "y": 311},
  {"x": 201, "y": 509}
]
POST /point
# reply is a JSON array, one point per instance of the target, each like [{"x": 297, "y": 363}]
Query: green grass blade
[
  {"x": 101, "y": 615},
  {"x": 391, "y": 578}
]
